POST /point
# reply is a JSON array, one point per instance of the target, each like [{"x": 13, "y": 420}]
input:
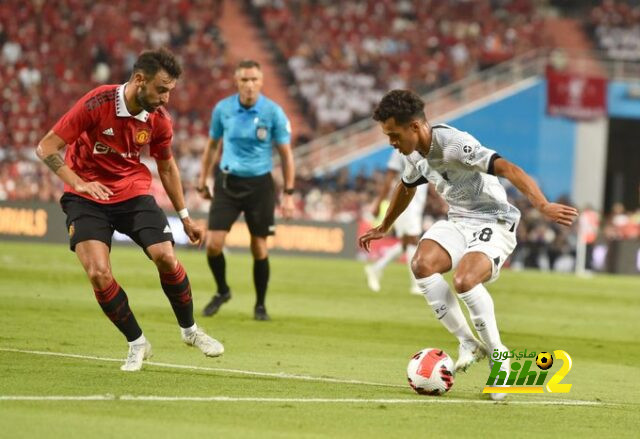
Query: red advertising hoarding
[{"x": 576, "y": 96}]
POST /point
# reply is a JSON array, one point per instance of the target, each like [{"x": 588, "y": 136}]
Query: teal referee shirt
[{"x": 248, "y": 134}]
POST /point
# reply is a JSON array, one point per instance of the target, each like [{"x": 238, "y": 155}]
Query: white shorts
[
  {"x": 496, "y": 240},
  {"x": 409, "y": 223}
]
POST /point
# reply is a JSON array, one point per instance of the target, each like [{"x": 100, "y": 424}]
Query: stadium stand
[
  {"x": 344, "y": 56},
  {"x": 42, "y": 74},
  {"x": 616, "y": 28}
]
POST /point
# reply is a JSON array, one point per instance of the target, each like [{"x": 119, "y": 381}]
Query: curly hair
[
  {"x": 402, "y": 105},
  {"x": 151, "y": 61}
]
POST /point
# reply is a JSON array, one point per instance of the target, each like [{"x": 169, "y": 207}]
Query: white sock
[
  {"x": 408, "y": 254},
  {"x": 389, "y": 255},
  {"x": 138, "y": 341},
  {"x": 480, "y": 305},
  {"x": 438, "y": 295},
  {"x": 186, "y": 332}
]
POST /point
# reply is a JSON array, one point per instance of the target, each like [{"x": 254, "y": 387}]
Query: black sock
[
  {"x": 177, "y": 288},
  {"x": 261, "y": 279},
  {"x": 218, "y": 267},
  {"x": 113, "y": 301}
]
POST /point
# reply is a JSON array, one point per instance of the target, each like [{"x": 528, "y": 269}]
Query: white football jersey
[
  {"x": 398, "y": 162},
  {"x": 461, "y": 170}
]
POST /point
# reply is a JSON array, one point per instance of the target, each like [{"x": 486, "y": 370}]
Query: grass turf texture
[{"x": 326, "y": 323}]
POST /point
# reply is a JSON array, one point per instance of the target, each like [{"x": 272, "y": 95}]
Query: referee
[{"x": 246, "y": 125}]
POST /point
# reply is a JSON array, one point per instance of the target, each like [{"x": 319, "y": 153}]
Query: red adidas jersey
[{"x": 105, "y": 141}]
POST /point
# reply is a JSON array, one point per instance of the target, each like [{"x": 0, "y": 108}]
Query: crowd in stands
[
  {"x": 52, "y": 52},
  {"x": 615, "y": 26},
  {"x": 345, "y": 55}
]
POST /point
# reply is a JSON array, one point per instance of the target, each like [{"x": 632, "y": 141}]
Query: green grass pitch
[{"x": 326, "y": 326}]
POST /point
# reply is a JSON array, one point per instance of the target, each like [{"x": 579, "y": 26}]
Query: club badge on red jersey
[{"x": 142, "y": 136}]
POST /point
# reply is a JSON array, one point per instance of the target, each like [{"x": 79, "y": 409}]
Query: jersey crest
[{"x": 142, "y": 136}]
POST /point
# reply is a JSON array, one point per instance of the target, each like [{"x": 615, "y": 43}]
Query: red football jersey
[{"x": 104, "y": 142}]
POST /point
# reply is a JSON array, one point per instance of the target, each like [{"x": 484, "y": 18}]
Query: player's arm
[
  {"x": 210, "y": 157},
  {"x": 400, "y": 199},
  {"x": 556, "y": 212},
  {"x": 289, "y": 177},
  {"x": 170, "y": 178},
  {"x": 389, "y": 177},
  {"x": 48, "y": 150}
]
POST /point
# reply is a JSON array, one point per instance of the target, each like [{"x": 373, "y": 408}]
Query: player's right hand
[
  {"x": 204, "y": 191},
  {"x": 370, "y": 235},
  {"x": 559, "y": 213},
  {"x": 93, "y": 188}
]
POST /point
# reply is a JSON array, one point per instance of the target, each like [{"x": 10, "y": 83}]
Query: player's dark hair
[
  {"x": 248, "y": 64},
  {"x": 402, "y": 105},
  {"x": 151, "y": 62}
]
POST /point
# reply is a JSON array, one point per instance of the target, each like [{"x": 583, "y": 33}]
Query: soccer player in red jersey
[{"x": 106, "y": 188}]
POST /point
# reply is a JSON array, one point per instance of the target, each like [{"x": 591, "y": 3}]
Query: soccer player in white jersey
[
  {"x": 407, "y": 227},
  {"x": 481, "y": 229}
]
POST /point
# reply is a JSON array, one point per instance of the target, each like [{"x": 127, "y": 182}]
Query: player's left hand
[
  {"x": 193, "y": 231},
  {"x": 287, "y": 206},
  {"x": 370, "y": 235},
  {"x": 559, "y": 213}
]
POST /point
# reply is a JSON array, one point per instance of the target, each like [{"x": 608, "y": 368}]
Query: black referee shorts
[
  {"x": 253, "y": 196},
  {"x": 140, "y": 218}
]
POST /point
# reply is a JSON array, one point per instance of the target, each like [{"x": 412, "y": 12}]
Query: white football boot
[
  {"x": 469, "y": 353},
  {"x": 137, "y": 353},
  {"x": 373, "y": 278},
  {"x": 208, "y": 345}
]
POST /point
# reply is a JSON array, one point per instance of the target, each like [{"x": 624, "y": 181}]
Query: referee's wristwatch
[{"x": 289, "y": 191}]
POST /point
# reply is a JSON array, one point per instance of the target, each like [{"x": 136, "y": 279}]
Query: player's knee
[
  {"x": 423, "y": 266},
  {"x": 165, "y": 261},
  {"x": 214, "y": 248},
  {"x": 464, "y": 281},
  {"x": 259, "y": 252},
  {"x": 100, "y": 276}
]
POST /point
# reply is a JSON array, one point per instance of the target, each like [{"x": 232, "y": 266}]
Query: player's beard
[{"x": 141, "y": 99}]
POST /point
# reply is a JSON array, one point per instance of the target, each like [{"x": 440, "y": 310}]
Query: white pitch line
[
  {"x": 417, "y": 400},
  {"x": 280, "y": 375}
]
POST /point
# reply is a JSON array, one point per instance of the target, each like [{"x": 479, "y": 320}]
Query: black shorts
[
  {"x": 254, "y": 196},
  {"x": 140, "y": 218}
]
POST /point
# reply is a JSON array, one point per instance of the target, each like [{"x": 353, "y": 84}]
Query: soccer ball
[
  {"x": 544, "y": 360},
  {"x": 430, "y": 372}
]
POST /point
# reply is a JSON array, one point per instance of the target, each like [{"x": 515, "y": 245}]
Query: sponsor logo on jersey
[
  {"x": 108, "y": 132},
  {"x": 101, "y": 148},
  {"x": 142, "y": 136}
]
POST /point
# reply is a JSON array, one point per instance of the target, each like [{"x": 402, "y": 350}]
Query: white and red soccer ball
[{"x": 430, "y": 372}]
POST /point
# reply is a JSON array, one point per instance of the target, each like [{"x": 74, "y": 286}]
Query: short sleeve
[
  {"x": 80, "y": 118},
  {"x": 216, "y": 130},
  {"x": 412, "y": 177},
  {"x": 160, "y": 147},
  {"x": 281, "y": 128},
  {"x": 467, "y": 151}
]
